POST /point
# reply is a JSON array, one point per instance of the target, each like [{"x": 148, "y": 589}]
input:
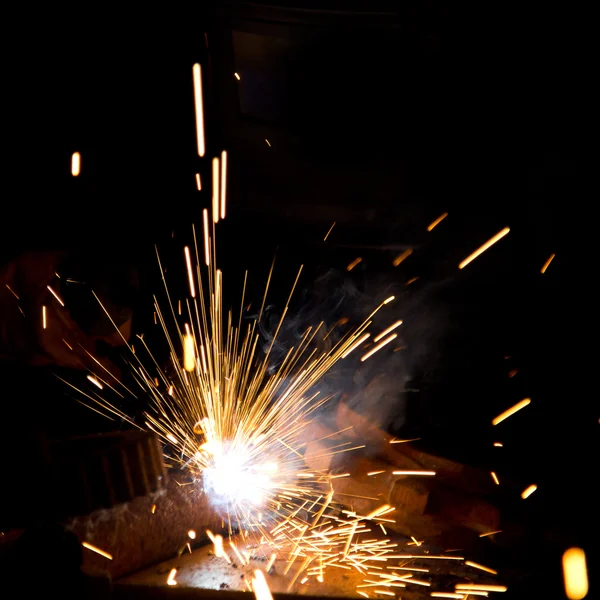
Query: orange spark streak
[
  {"x": 511, "y": 411},
  {"x": 483, "y": 248},
  {"x": 429, "y": 473},
  {"x": 495, "y": 478},
  {"x": 215, "y": 187},
  {"x": 480, "y": 588},
  {"x": 206, "y": 239},
  {"x": 190, "y": 271},
  {"x": 575, "y": 574},
  {"x": 547, "y": 263},
  {"x": 75, "y": 164},
  {"x": 378, "y": 347},
  {"x": 528, "y": 491},
  {"x": 353, "y": 263},
  {"x": 198, "y": 104},
  {"x": 327, "y": 234},
  {"x": 95, "y": 382},
  {"x": 223, "y": 182},
  {"x": 356, "y": 344},
  {"x": 198, "y": 182},
  {"x": 388, "y": 330},
  {"x": 96, "y": 550},
  {"x": 401, "y": 257},
  {"x": 58, "y": 298},
  {"x": 44, "y": 323},
  {"x": 437, "y": 221},
  {"x": 481, "y": 567},
  {"x": 171, "y": 577}
]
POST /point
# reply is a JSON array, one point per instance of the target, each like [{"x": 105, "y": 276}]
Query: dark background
[{"x": 380, "y": 117}]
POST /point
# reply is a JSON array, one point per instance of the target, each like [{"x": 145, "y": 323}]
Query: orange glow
[
  {"x": 96, "y": 550},
  {"x": 215, "y": 193},
  {"x": 575, "y": 573},
  {"x": 483, "y": 248},
  {"x": 223, "y": 182},
  {"x": 511, "y": 411},
  {"x": 388, "y": 330},
  {"x": 528, "y": 491},
  {"x": 436, "y": 222},
  {"x": 76, "y": 164},
  {"x": 490, "y": 533},
  {"x": 353, "y": 263},
  {"x": 402, "y": 257},
  {"x": 446, "y": 595},
  {"x": 199, "y": 108},
  {"x": 547, "y": 263},
  {"x": 495, "y": 478},
  {"x": 190, "y": 271}
]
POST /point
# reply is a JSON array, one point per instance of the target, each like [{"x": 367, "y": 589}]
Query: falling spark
[
  {"x": 190, "y": 271},
  {"x": 401, "y": 257},
  {"x": 547, "y": 263},
  {"x": 153, "y": 509},
  {"x": 415, "y": 541},
  {"x": 428, "y": 473},
  {"x": 480, "y": 588},
  {"x": 512, "y": 373},
  {"x": 433, "y": 224},
  {"x": 171, "y": 577},
  {"x": 95, "y": 382},
  {"x": 575, "y": 574},
  {"x": 511, "y": 411},
  {"x": 189, "y": 354},
  {"x": 223, "y": 182},
  {"x": 447, "y": 595},
  {"x": 198, "y": 182},
  {"x": 199, "y": 108},
  {"x": 192, "y": 534},
  {"x": 356, "y": 344},
  {"x": 75, "y": 164},
  {"x": 389, "y": 299},
  {"x": 268, "y": 142},
  {"x": 388, "y": 330},
  {"x": 327, "y": 234},
  {"x": 528, "y": 491},
  {"x": 353, "y": 263},
  {"x": 498, "y": 445},
  {"x": 480, "y": 567},
  {"x": 378, "y": 347},
  {"x": 58, "y": 298},
  {"x": 96, "y": 550},
  {"x": 271, "y": 562},
  {"x": 12, "y": 291},
  {"x": 44, "y": 322},
  {"x": 490, "y": 533},
  {"x": 260, "y": 586},
  {"x": 404, "y": 441},
  {"x": 483, "y": 248},
  {"x": 215, "y": 190},
  {"x": 495, "y": 478},
  {"x": 374, "y": 473},
  {"x": 206, "y": 237},
  {"x": 411, "y": 281},
  {"x": 236, "y": 75}
]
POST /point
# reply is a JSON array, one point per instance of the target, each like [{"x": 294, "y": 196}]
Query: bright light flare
[
  {"x": 260, "y": 586},
  {"x": 511, "y": 411},
  {"x": 483, "y": 248},
  {"x": 199, "y": 108},
  {"x": 575, "y": 573},
  {"x": 75, "y": 164}
]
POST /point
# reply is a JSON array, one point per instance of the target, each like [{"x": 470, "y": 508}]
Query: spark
[
  {"x": 215, "y": 190},
  {"x": 480, "y": 567},
  {"x": 44, "y": 318},
  {"x": 404, "y": 441},
  {"x": 433, "y": 224},
  {"x": 378, "y": 347},
  {"x": 171, "y": 577},
  {"x": 76, "y": 164},
  {"x": 198, "y": 182},
  {"x": 223, "y": 182},
  {"x": 402, "y": 257},
  {"x": 528, "y": 491},
  {"x": 389, "y": 299},
  {"x": 189, "y": 354},
  {"x": 95, "y": 382},
  {"x": 153, "y": 509},
  {"x": 547, "y": 263},
  {"x": 388, "y": 330},
  {"x": 260, "y": 586},
  {"x": 268, "y": 142},
  {"x": 483, "y": 248},
  {"x": 495, "y": 478},
  {"x": 511, "y": 411},
  {"x": 427, "y": 473},
  {"x": 355, "y": 262},
  {"x": 575, "y": 573},
  {"x": 192, "y": 534},
  {"x": 411, "y": 281},
  {"x": 58, "y": 298},
  {"x": 96, "y": 550},
  {"x": 199, "y": 108},
  {"x": 236, "y": 75},
  {"x": 490, "y": 533},
  {"x": 12, "y": 291},
  {"x": 446, "y": 595},
  {"x": 474, "y": 587},
  {"x": 188, "y": 262},
  {"x": 374, "y": 473},
  {"x": 330, "y": 230},
  {"x": 498, "y": 444}
]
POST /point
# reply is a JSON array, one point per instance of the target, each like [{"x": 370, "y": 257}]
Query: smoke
[{"x": 381, "y": 387}]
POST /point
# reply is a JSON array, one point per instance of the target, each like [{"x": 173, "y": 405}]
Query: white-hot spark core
[
  {"x": 75, "y": 164},
  {"x": 199, "y": 108}
]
